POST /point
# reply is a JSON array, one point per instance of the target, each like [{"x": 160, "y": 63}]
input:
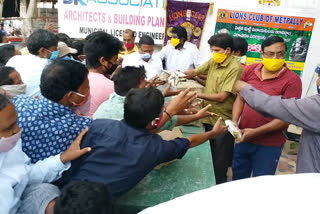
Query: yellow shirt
[
  {"x": 221, "y": 77},
  {"x": 127, "y": 52}
]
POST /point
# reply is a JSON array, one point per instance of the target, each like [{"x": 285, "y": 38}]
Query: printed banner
[
  {"x": 79, "y": 18},
  {"x": 256, "y": 27},
  {"x": 189, "y": 15}
]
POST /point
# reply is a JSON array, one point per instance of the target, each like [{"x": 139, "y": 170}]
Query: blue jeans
[{"x": 256, "y": 159}]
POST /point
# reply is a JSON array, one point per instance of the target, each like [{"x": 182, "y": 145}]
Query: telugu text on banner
[{"x": 256, "y": 27}]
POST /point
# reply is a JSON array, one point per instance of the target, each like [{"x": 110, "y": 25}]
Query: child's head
[
  {"x": 128, "y": 78},
  {"x": 240, "y": 46},
  {"x": 9, "y": 129},
  {"x": 142, "y": 106},
  {"x": 84, "y": 197}
]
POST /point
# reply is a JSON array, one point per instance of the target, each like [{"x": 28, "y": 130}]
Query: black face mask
[
  {"x": 112, "y": 69},
  {"x": 109, "y": 71}
]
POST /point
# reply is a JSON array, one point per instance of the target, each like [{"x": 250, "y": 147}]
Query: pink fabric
[{"x": 100, "y": 90}]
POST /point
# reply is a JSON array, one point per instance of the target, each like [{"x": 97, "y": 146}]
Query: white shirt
[
  {"x": 153, "y": 67},
  {"x": 294, "y": 194},
  {"x": 184, "y": 59},
  {"x": 30, "y": 69},
  {"x": 16, "y": 172}
]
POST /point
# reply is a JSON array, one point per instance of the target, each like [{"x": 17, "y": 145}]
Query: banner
[
  {"x": 270, "y": 2},
  {"x": 189, "y": 15},
  {"x": 79, "y": 18},
  {"x": 256, "y": 27}
]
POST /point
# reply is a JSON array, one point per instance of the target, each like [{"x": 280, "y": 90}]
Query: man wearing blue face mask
[
  {"x": 42, "y": 45},
  {"x": 143, "y": 57}
]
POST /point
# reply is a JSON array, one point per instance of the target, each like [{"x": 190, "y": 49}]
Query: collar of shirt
[
  {"x": 127, "y": 52},
  {"x": 52, "y": 108},
  {"x": 144, "y": 130},
  {"x": 117, "y": 98},
  {"x": 257, "y": 72}
]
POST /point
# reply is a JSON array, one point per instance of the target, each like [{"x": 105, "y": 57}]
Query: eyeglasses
[
  {"x": 272, "y": 54},
  {"x": 81, "y": 95}
]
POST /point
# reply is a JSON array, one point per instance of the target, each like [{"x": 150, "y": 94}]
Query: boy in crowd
[
  {"x": 134, "y": 77},
  {"x": 240, "y": 48},
  {"x": 101, "y": 55},
  {"x": 85, "y": 197},
  {"x": 125, "y": 151}
]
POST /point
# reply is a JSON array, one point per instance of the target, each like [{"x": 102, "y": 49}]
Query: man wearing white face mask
[
  {"x": 42, "y": 45},
  {"x": 49, "y": 124},
  {"x": 25, "y": 187},
  {"x": 11, "y": 83},
  {"x": 144, "y": 57}
]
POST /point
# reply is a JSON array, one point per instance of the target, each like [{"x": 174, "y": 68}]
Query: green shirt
[
  {"x": 113, "y": 109},
  {"x": 221, "y": 77}
]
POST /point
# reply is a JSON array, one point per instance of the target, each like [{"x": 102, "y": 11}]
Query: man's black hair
[
  {"x": 181, "y": 32},
  {"x": 146, "y": 40},
  {"x": 102, "y": 45},
  {"x": 41, "y": 39},
  {"x": 222, "y": 40},
  {"x": 79, "y": 46},
  {"x": 240, "y": 44},
  {"x": 62, "y": 37},
  {"x": 6, "y": 52},
  {"x": 128, "y": 78},
  {"x": 84, "y": 197},
  {"x": 142, "y": 105},
  {"x": 61, "y": 77},
  {"x": 272, "y": 40},
  {"x": 94, "y": 34},
  {"x": 4, "y": 101},
  {"x": 5, "y": 79}
]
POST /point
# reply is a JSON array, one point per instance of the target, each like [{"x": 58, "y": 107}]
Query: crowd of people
[{"x": 79, "y": 119}]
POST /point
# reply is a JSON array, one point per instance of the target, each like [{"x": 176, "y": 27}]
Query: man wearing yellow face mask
[
  {"x": 259, "y": 149},
  {"x": 179, "y": 54},
  {"x": 223, "y": 71}
]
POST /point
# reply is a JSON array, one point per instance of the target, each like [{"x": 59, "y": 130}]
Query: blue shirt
[
  {"x": 48, "y": 128},
  {"x": 121, "y": 155}
]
